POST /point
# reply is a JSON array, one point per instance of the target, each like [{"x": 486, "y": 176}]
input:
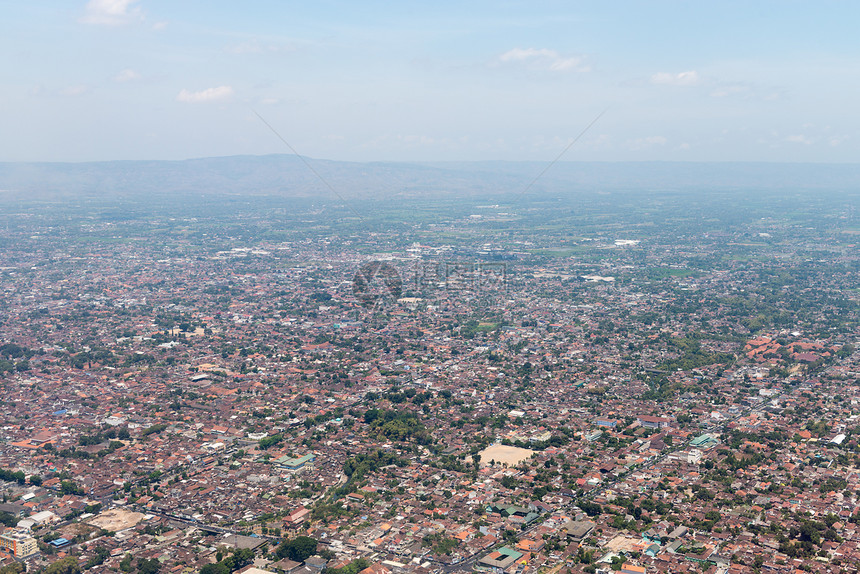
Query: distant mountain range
[{"x": 289, "y": 176}]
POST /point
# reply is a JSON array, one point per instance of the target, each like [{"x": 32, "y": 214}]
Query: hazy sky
[{"x": 440, "y": 80}]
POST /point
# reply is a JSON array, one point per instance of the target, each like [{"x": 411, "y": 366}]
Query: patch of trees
[
  {"x": 69, "y": 487},
  {"x": 711, "y": 518},
  {"x": 818, "y": 428},
  {"x": 441, "y": 544},
  {"x": 845, "y": 351},
  {"x": 662, "y": 389},
  {"x": 833, "y": 484},
  {"x": 67, "y": 565},
  {"x": 472, "y": 327},
  {"x": 360, "y": 465},
  {"x": 554, "y": 441},
  {"x": 154, "y": 429},
  {"x": 298, "y": 549},
  {"x": 584, "y": 556},
  {"x": 692, "y": 355},
  {"x": 101, "y": 554},
  {"x": 87, "y": 358},
  {"x": 657, "y": 506},
  {"x": 509, "y": 482},
  {"x": 10, "y": 366},
  {"x": 735, "y": 463},
  {"x": 736, "y": 438},
  {"x": 230, "y": 563},
  {"x": 148, "y": 566},
  {"x": 72, "y": 452},
  {"x": 803, "y": 539},
  {"x": 13, "y": 476},
  {"x": 98, "y": 438},
  {"x": 590, "y": 508},
  {"x": 449, "y": 462},
  {"x": 353, "y": 567},
  {"x": 417, "y": 398},
  {"x": 270, "y": 441},
  {"x": 397, "y": 425},
  {"x": 14, "y": 351},
  {"x": 138, "y": 357},
  {"x": 324, "y": 512}
]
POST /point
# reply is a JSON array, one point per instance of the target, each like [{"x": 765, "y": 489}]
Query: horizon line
[{"x": 433, "y": 162}]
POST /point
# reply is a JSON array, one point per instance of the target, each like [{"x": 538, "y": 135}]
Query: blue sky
[{"x": 425, "y": 81}]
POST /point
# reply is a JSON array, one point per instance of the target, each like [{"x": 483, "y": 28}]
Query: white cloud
[
  {"x": 207, "y": 95},
  {"x": 543, "y": 59},
  {"x": 159, "y": 26},
  {"x": 111, "y": 12},
  {"x": 690, "y": 78},
  {"x": 127, "y": 75}
]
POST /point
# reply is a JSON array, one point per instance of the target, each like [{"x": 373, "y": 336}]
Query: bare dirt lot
[
  {"x": 623, "y": 543},
  {"x": 512, "y": 455},
  {"x": 116, "y": 519},
  {"x": 77, "y": 529}
]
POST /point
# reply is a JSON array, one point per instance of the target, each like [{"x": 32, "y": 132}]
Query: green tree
[
  {"x": 242, "y": 556},
  {"x": 100, "y": 556},
  {"x": 67, "y": 565},
  {"x": 148, "y": 566},
  {"x": 218, "y": 568},
  {"x": 299, "y": 549},
  {"x": 69, "y": 487}
]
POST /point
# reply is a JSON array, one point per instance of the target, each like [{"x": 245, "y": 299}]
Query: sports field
[{"x": 512, "y": 455}]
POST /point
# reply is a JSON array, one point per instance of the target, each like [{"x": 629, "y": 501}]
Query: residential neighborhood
[{"x": 193, "y": 397}]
